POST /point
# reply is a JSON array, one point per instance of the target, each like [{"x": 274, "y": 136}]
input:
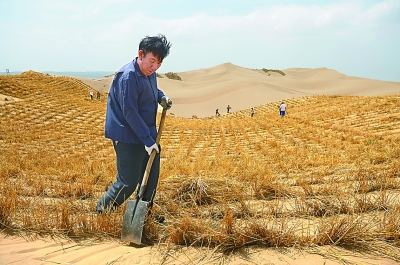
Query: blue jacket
[{"x": 132, "y": 106}]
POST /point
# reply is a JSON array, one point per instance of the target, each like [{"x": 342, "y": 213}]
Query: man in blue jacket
[{"x": 131, "y": 122}]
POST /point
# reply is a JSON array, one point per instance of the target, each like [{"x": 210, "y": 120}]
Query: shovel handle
[{"x": 152, "y": 155}]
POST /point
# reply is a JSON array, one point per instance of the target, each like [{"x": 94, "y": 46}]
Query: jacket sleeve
[{"x": 160, "y": 95}]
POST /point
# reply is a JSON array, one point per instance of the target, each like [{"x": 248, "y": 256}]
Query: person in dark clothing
[{"x": 131, "y": 122}]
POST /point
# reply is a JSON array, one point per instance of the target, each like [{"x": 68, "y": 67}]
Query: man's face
[{"x": 148, "y": 63}]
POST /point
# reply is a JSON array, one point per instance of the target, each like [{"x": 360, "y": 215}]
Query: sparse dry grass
[{"x": 327, "y": 174}]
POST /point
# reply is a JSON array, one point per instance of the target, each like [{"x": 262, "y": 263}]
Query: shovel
[{"x": 133, "y": 222}]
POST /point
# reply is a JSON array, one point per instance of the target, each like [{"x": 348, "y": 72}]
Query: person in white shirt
[{"x": 282, "y": 109}]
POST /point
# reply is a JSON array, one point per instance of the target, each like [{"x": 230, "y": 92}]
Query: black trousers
[{"x": 131, "y": 164}]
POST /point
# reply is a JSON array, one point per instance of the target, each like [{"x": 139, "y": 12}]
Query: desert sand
[
  {"x": 203, "y": 91},
  {"x": 199, "y": 93},
  {"x": 39, "y": 251}
]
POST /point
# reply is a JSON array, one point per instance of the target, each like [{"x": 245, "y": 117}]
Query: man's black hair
[{"x": 158, "y": 45}]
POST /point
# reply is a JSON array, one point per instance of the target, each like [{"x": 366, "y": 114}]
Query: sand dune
[{"x": 202, "y": 91}]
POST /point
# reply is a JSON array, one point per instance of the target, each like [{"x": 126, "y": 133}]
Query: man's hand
[
  {"x": 167, "y": 100},
  {"x": 150, "y": 149}
]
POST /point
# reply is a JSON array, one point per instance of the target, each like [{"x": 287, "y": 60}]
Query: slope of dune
[
  {"x": 99, "y": 84},
  {"x": 203, "y": 91},
  {"x": 221, "y": 72},
  {"x": 314, "y": 73}
]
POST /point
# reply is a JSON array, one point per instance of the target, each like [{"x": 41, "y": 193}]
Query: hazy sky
[{"x": 358, "y": 38}]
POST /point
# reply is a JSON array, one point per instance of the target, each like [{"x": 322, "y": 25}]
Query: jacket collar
[{"x": 152, "y": 79}]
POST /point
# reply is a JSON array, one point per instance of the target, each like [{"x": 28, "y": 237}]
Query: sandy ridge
[{"x": 202, "y": 91}]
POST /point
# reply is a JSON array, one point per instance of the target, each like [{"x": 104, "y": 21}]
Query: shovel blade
[{"x": 132, "y": 228}]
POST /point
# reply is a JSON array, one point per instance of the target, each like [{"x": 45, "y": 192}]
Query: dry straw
[{"x": 326, "y": 174}]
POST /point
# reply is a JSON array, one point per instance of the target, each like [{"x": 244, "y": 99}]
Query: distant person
[
  {"x": 252, "y": 112},
  {"x": 98, "y": 95},
  {"x": 130, "y": 122},
  {"x": 228, "y": 109},
  {"x": 217, "y": 112},
  {"x": 91, "y": 94},
  {"x": 282, "y": 109}
]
